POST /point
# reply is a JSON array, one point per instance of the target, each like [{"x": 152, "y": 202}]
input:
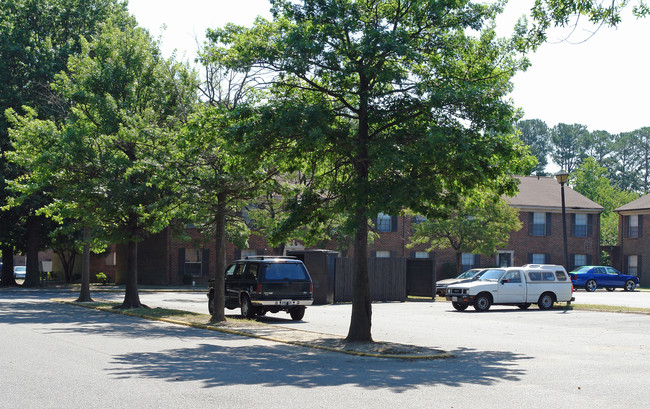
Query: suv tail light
[
  {"x": 258, "y": 289},
  {"x": 311, "y": 288}
]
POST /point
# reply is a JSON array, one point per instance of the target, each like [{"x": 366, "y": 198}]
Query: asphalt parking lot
[{"x": 504, "y": 358}]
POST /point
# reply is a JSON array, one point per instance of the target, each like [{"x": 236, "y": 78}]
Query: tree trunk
[
  {"x": 459, "y": 262},
  {"x": 67, "y": 262},
  {"x": 84, "y": 295},
  {"x": 7, "y": 266},
  {"x": 131, "y": 297},
  {"x": 32, "y": 278},
  {"x": 218, "y": 312},
  {"x": 361, "y": 320},
  {"x": 279, "y": 250}
]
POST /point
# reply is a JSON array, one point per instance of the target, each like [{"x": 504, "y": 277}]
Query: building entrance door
[{"x": 504, "y": 258}]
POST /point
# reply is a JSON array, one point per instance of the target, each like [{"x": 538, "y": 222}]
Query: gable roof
[
  {"x": 642, "y": 203},
  {"x": 545, "y": 193}
]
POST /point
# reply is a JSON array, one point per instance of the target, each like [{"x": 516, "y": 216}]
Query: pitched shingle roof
[
  {"x": 545, "y": 193},
  {"x": 642, "y": 203}
]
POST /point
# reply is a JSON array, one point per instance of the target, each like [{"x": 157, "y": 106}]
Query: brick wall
[{"x": 635, "y": 246}]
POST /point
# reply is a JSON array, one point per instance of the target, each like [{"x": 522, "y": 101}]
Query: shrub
[{"x": 102, "y": 278}]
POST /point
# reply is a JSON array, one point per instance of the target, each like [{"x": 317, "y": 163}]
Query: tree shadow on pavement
[
  {"x": 217, "y": 359},
  {"x": 284, "y": 365}
]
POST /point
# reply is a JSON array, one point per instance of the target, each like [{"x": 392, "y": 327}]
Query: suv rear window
[{"x": 284, "y": 271}]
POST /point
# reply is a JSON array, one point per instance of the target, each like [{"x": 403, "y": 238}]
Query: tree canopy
[
  {"x": 36, "y": 39},
  {"x": 389, "y": 104},
  {"x": 106, "y": 164}
]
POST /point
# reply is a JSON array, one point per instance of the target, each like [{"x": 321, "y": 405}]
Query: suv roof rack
[{"x": 267, "y": 257}]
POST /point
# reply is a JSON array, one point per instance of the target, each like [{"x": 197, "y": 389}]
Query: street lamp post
[{"x": 562, "y": 177}]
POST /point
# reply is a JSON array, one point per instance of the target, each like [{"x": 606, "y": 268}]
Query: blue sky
[{"x": 601, "y": 82}]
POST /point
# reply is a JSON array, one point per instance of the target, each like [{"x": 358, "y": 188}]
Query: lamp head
[{"x": 562, "y": 177}]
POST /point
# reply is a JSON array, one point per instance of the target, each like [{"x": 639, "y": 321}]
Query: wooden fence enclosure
[{"x": 389, "y": 278}]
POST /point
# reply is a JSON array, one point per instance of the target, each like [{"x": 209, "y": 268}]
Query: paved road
[
  {"x": 639, "y": 299},
  {"x": 64, "y": 356}
]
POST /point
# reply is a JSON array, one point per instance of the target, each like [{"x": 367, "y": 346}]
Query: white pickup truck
[{"x": 520, "y": 286}]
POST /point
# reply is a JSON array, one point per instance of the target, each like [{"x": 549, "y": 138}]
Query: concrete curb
[{"x": 284, "y": 335}]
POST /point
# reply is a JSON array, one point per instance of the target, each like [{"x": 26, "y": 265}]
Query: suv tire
[
  {"x": 297, "y": 313},
  {"x": 247, "y": 309}
]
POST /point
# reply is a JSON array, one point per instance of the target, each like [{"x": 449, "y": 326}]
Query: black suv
[{"x": 261, "y": 284}]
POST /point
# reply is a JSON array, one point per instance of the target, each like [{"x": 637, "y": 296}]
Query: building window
[
  {"x": 539, "y": 224},
  {"x": 421, "y": 254},
  {"x": 581, "y": 225},
  {"x": 111, "y": 259},
  {"x": 382, "y": 254},
  {"x": 193, "y": 262},
  {"x": 467, "y": 261},
  {"x": 633, "y": 265},
  {"x": 538, "y": 259},
  {"x": 383, "y": 222},
  {"x": 633, "y": 227},
  {"x": 579, "y": 260},
  {"x": 419, "y": 219},
  {"x": 248, "y": 252}
]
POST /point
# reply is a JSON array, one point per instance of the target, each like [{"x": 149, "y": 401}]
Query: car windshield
[
  {"x": 284, "y": 271},
  {"x": 582, "y": 269},
  {"x": 491, "y": 275},
  {"x": 468, "y": 274}
]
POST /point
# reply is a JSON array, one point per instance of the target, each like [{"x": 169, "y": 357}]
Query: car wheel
[
  {"x": 591, "y": 286},
  {"x": 297, "y": 313},
  {"x": 629, "y": 285},
  {"x": 523, "y": 306},
  {"x": 211, "y": 303},
  {"x": 459, "y": 306},
  {"x": 482, "y": 303},
  {"x": 546, "y": 301},
  {"x": 247, "y": 310},
  {"x": 610, "y": 289}
]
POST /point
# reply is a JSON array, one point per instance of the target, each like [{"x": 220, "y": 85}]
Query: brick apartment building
[
  {"x": 633, "y": 253},
  {"x": 165, "y": 260},
  {"x": 540, "y": 240}
]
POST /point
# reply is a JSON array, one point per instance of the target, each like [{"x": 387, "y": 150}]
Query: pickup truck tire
[
  {"x": 591, "y": 286},
  {"x": 523, "y": 306},
  {"x": 629, "y": 285},
  {"x": 459, "y": 306},
  {"x": 247, "y": 310},
  {"x": 546, "y": 301},
  {"x": 297, "y": 313},
  {"x": 482, "y": 302}
]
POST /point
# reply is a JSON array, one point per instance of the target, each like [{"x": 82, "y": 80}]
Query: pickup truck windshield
[{"x": 491, "y": 275}]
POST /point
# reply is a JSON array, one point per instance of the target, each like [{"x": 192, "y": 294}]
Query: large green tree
[
  {"x": 36, "y": 39},
  {"x": 568, "y": 145},
  {"x": 402, "y": 103},
  {"x": 480, "y": 224},
  {"x": 535, "y": 134},
  {"x": 109, "y": 159}
]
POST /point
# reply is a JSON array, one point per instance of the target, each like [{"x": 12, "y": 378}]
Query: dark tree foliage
[{"x": 36, "y": 39}]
